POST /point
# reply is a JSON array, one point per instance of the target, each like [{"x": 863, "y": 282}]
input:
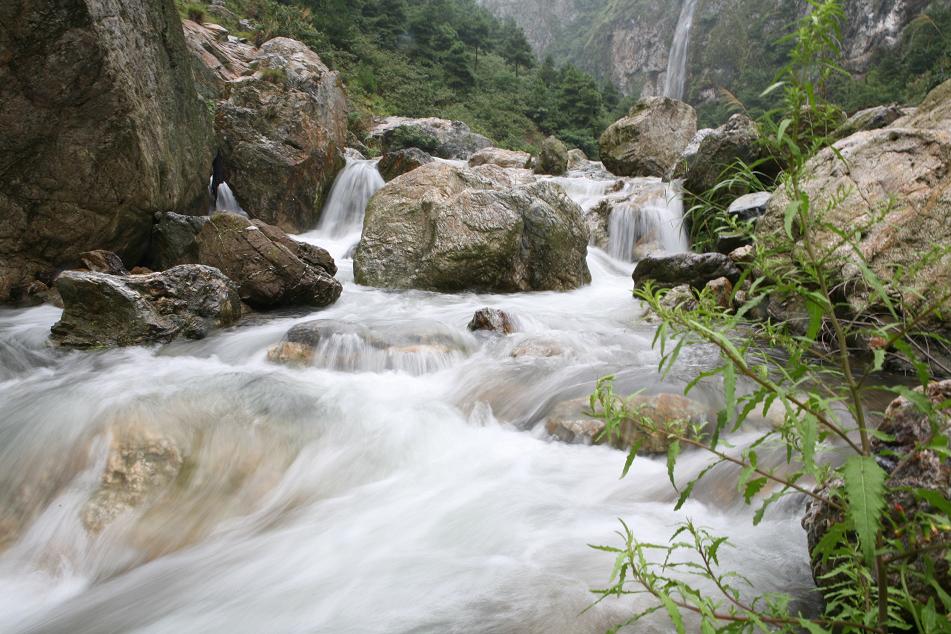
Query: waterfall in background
[
  {"x": 639, "y": 230},
  {"x": 677, "y": 62},
  {"x": 355, "y": 185}
]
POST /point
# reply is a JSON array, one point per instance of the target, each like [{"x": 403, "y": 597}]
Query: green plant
[
  {"x": 195, "y": 12},
  {"x": 883, "y": 555}
]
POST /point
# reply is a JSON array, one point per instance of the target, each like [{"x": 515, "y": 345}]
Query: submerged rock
[
  {"x": 573, "y": 422},
  {"x": 492, "y": 320},
  {"x": 500, "y": 157},
  {"x": 692, "y": 269},
  {"x": 650, "y": 140},
  {"x": 105, "y": 127},
  {"x": 445, "y": 228},
  {"x": 904, "y": 428},
  {"x": 270, "y": 268},
  {"x": 399, "y": 162},
  {"x": 109, "y": 310},
  {"x": 345, "y": 346},
  {"x": 553, "y": 157}
]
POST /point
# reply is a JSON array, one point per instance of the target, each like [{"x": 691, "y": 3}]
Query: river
[{"x": 413, "y": 494}]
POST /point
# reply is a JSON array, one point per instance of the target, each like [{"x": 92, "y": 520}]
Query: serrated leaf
[
  {"x": 865, "y": 493},
  {"x": 631, "y": 455},
  {"x": 753, "y": 487},
  {"x": 674, "y": 612},
  {"x": 672, "y": 452}
]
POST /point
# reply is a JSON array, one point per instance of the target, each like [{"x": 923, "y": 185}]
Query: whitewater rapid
[{"x": 322, "y": 500}]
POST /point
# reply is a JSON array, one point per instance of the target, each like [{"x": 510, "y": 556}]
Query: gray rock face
[
  {"x": 439, "y": 137},
  {"x": 281, "y": 123},
  {"x": 750, "y": 206},
  {"x": 270, "y": 268},
  {"x": 900, "y": 177},
  {"x": 100, "y": 127},
  {"x": 693, "y": 269},
  {"x": 399, "y": 162},
  {"x": 104, "y": 310},
  {"x": 553, "y": 158},
  {"x": 452, "y": 229},
  {"x": 870, "y": 119},
  {"x": 906, "y": 467},
  {"x": 650, "y": 140},
  {"x": 712, "y": 151}
]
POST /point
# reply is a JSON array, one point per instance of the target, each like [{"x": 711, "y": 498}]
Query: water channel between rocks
[{"x": 415, "y": 492}]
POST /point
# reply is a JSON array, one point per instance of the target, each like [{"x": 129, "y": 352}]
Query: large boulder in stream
[
  {"x": 657, "y": 417},
  {"x": 893, "y": 186},
  {"x": 650, "y": 139},
  {"x": 281, "y": 122},
  {"x": 270, "y": 268},
  {"x": 445, "y": 228},
  {"x": 503, "y": 158},
  {"x": 553, "y": 157},
  {"x": 100, "y": 127},
  {"x": 103, "y": 310}
]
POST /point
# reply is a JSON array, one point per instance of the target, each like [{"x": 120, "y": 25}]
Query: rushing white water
[
  {"x": 225, "y": 201},
  {"x": 348, "y": 199},
  {"x": 676, "y": 80},
  {"x": 362, "y": 493},
  {"x": 651, "y": 227}
]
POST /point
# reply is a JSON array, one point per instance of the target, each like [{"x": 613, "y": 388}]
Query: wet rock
[
  {"x": 39, "y": 293},
  {"x": 270, "y": 268},
  {"x": 108, "y": 310},
  {"x": 399, "y": 162},
  {"x": 658, "y": 416},
  {"x": 417, "y": 348},
  {"x": 449, "y": 229},
  {"x": 500, "y": 157},
  {"x": 722, "y": 291},
  {"x": 577, "y": 159},
  {"x": 280, "y": 120},
  {"x": 553, "y": 158},
  {"x": 440, "y": 137},
  {"x": 537, "y": 348},
  {"x": 710, "y": 152},
  {"x": 105, "y": 127},
  {"x": 141, "y": 464},
  {"x": 141, "y": 270},
  {"x": 598, "y": 220},
  {"x": 492, "y": 320},
  {"x": 907, "y": 468},
  {"x": 650, "y": 140},
  {"x": 103, "y": 262},
  {"x": 692, "y": 269}
]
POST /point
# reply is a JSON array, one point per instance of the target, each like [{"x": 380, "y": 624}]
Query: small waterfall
[
  {"x": 225, "y": 201},
  {"x": 355, "y": 185},
  {"x": 638, "y": 230},
  {"x": 676, "y": 81}
]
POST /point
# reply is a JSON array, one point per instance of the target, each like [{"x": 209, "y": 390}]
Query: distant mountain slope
[{"x": 733, "y": 42}]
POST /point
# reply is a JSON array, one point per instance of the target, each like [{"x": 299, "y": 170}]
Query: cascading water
[
  {"x": 355, "y": 185},
  {"x": 653, "y": 227},
  {"x": 676, "y": 81},
  {"x": 401, "y": 482},
  {"x": 225, "y": 201}
]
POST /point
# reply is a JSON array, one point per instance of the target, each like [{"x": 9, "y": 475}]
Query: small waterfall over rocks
[
  {"x": 676, "y": 82},
  {"x": 654, "y": 227},
  {"x": 355, "y": 185},
  {"x": 225, "y": 200}
]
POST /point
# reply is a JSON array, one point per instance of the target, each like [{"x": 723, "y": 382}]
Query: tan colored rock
[
  {"x": 650, "y": 140},
  {"x": 500, "y": 157},
  {"x": 722, "y": 291},
  {"x": 659, "y": 415}
]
